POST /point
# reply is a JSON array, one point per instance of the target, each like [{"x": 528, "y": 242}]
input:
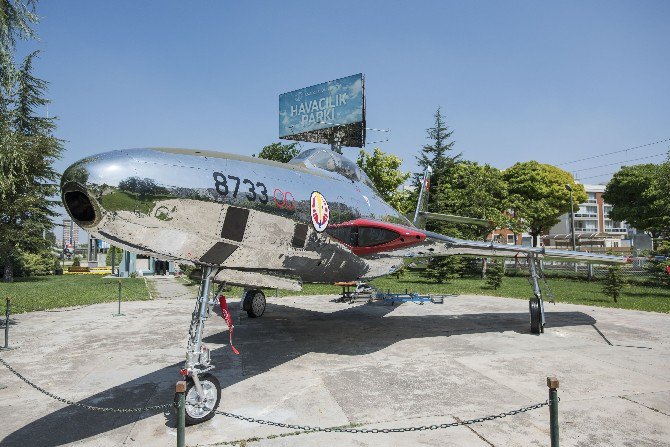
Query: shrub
[
  {"x": 443, "y": 270},
  {"x": 495, "y": 272},
  {"x": 117, "y": 256},
  {"x": 76, "y": 262},
  {"x": 614, "y": 282}
]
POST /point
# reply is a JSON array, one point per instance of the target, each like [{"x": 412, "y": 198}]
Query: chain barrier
[
  {"x": 80, "y": 405},
  {"x": 306, "y": 428},
  {"x": 309, "y": 428}
]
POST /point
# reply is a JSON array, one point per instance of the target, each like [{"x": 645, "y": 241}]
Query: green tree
[
  {"x": 436, "y": 155},
  {"x": 472, "y": 190},
  {"x": 16, "y": 20},
  {"x": 279, "y": 152},
  {"x": 538, "y": 197},
  {"x": 640, "y": 195},
  {"x": 117, "y": 256},
  {"x": 384, "y": 172},
  {"x": 443, "y": 270},
  {"x": 495, "y": 273},
  {"x": 27, "y": 146},
  {"x": 614, "y": 282}
]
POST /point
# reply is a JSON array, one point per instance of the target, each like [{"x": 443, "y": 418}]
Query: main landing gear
[
  {"x": 203, "y": 391},
  {"x": 536, "y": 304},
  {"x": 253, "y": 301}
]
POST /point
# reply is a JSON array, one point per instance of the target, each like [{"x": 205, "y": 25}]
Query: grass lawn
[
  {"x": 572, "y": 291},
  {"x": 49, "y": 292},
  {"x": 638, "y": 297}
]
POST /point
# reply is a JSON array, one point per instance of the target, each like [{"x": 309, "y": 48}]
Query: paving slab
[{"x": 311, "y": 361}]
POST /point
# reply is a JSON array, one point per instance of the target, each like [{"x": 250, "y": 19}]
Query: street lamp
[{"x": 572, "y": 219}]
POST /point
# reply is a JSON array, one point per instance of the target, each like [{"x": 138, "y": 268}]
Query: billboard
[{"x": 325, "y": 112}]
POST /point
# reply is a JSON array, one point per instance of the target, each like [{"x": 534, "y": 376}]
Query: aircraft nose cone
[{"x": 84, "y": 181}]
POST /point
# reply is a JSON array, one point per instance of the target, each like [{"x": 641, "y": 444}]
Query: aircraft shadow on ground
[{"x": 281, "y": 335}]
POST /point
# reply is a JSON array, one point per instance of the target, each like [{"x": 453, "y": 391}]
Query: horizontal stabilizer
[{"x": 457, "y": 219}]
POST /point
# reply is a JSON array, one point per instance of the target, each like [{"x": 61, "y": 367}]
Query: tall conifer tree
[{"x": 27, "y": 145}]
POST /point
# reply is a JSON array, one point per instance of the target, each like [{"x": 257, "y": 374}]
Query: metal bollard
[
  {"x": 119, "y": 314},
  {"x": 180, "y": 389},
  {"x": 8, "y": 310},
  {"x": 552, "y": 383}
]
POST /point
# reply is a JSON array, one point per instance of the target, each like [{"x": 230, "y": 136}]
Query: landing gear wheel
[
  {"x": 196, "y": 411},
  {"x": 254, "y": 303},
  {"x": 535, "y": 317}
]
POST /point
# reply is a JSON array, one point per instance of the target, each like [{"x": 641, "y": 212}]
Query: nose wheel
[
  {"x": 254, "y": 303},
  {"x": 200, "y": 407}
]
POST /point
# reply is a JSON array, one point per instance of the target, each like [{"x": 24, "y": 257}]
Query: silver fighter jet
[{"x": 261, "y": 224}]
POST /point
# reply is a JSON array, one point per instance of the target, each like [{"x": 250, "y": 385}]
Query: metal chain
[
  {"x": 80, "y": 405},
  {"x": 279, "y": 424},
  {"x": 383, "y": 430}
]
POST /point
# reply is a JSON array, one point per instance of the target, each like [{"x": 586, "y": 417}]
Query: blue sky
[{"x": 517, "y": 80}]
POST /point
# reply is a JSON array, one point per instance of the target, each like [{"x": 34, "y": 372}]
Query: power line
[
  {"x": 614, "y": 152},
  {"x": 620, "y": 162},
  {"x": 594, "y": 176}
]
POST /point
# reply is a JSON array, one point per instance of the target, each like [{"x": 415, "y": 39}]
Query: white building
[{"x": 594, "y": 230}]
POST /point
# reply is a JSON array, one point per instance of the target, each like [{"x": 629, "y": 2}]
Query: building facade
[
  {"x": 594, "y": 230},
  {"x": 70, "y": 227}
]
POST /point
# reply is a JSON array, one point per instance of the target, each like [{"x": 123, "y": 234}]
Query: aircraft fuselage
[{"x": 245, "y": 214}]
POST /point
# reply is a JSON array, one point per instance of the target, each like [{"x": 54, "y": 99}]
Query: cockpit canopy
[{"x": 331, "y": 161}]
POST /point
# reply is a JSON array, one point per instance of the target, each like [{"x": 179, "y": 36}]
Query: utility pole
[{"x": 572, "y": 219}]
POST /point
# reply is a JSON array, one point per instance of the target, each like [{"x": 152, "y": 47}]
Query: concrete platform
[{"x": 311, "y": 361}]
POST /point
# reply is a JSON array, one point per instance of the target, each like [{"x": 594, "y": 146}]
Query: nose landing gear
[{"x": 203, "y": 391}]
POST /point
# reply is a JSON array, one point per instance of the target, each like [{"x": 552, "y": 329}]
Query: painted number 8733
[{"x": 226, "y": 185}]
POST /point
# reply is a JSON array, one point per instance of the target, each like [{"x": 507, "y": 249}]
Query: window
[
  {"x": 586, "y": 226},
  {"x": 344, "y": 234},
  {"x": 510, "y": 239},
  {"x": 591, "y": 197},
  {"x": 362, "y": 236},
  {"x": 368, "y": 236},
  {"x": 587, "y": 211},
  {"x": 607, "y": 209}
]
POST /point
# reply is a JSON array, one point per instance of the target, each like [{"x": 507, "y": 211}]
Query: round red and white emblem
[{"x": 319, "y": 211}]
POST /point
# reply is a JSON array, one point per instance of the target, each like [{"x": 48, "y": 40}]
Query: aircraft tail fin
[
  {"x": 419, "y": 220},
  {"x": 421, "y": 215}
]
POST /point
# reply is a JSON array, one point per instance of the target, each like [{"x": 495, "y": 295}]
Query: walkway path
[{"x": 169, "y": 287}]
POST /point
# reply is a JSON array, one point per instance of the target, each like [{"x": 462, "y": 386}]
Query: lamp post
[{"x": 572, "y": 219}]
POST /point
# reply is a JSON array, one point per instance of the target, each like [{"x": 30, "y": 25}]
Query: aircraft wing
[{"x": 436, "y": 244}]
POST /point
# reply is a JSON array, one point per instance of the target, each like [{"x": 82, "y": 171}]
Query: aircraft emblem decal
[{"x": 319, "y": 211}]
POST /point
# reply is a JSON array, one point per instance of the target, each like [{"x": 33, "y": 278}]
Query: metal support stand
[
  {"x": 535, "y": 278},
  {"x": 8, "y": 311},
  {"x": 119, "y": 314},
  {"x": 197, "y": 355},
  {"x": 552, "y": 383},
  {"x": 180, "y": 389}
]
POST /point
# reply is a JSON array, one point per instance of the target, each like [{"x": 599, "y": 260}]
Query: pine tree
[
  {"x": 443, "y": 270},
  {"x": 27, "y": 145},
  {"x": 495, "y": 273},
  {"x": 436, "y": 155},
  {"x": 614, "y": 282}
]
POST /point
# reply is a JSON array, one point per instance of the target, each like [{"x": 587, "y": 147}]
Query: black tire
[
  {"x": 196, "y": 415},
  {"x": 254, "y": 303},
  {"x": 535, "y": 316}
]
